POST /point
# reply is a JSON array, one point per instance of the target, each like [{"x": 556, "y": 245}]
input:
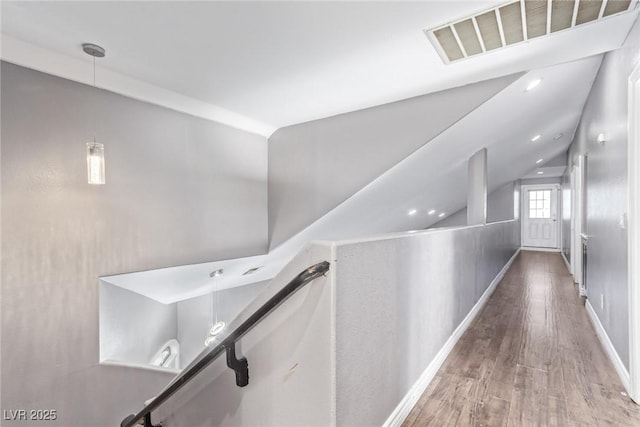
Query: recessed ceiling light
[
  {"x": 539, "y": 161},
  {"x": 431, "y": 212},
  {"x": 532, "y": 85},
  {"x": 441, "y": 215},
  {"x": 216, "y": 273},
  {"x": 558, "y": 136},
  {"x": 540, "y": 172},
  {"x": 535, "y": 138},
  {"x": 413, "y": 211}
]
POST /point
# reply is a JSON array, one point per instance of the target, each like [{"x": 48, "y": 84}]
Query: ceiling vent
[{"x": 517, "y": 22}]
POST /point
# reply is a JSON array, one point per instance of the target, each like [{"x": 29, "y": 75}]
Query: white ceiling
[
  {"x": 264, "y": 65},
  {"x": 547, "y": 172}
]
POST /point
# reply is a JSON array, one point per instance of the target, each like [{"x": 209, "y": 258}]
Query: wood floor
[{"x": 530, "y": 358}]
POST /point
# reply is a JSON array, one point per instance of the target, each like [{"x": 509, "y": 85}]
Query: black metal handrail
[{"x": 228, "y": 344}]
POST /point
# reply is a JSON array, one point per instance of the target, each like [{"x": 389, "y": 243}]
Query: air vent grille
[
  {"x": 561, "y": 15},
  {"x": 489, "y": 31},
  {"x": 516, "y": 22},
  {"x": 588, "y": 11}
]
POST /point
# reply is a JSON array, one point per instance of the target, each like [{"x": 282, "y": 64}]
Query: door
[{"x": 540, "y": 219}]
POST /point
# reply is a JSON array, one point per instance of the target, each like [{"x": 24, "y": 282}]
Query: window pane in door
[{"x": 540, "y": 204}]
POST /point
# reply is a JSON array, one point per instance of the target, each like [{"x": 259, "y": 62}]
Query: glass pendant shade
[{"x": 95, "y": 163}]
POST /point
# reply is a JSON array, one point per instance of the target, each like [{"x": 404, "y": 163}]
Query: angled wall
[
  {"x": 500, "y": 207},
  {"x": 179, "y": 190},
  {"x": 425, "y": 186},
  {"x": 315, "y": 166}
]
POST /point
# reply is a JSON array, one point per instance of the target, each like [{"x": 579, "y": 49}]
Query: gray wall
[
  {"x": 398, "y": 300},
  {"x": 132, "y": 326},
  {"x": 193, "y": 316},
  {"x": 559, "y": 160},
  {"x": 541, "y": 181},
  {"x": 179, "y": 190},
  {"x": 457, "y": 219},
  {"x": 500, "y": 203},
  {"x": 606, "y": 189},
  {"x": 315, "y": 166}
]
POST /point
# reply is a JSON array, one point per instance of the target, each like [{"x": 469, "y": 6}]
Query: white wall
[
  {"x": 132, "y": 326},
  {"x": 606, "y": 189},
  {"x": 179, "y": 190},
  {"x": 126, "y": 317},
  {"x": 398, "y": 300}
]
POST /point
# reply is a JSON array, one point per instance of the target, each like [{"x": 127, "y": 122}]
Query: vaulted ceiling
[
  {"x": 264, "y": 65},
  {"x": 432, "y": 180},
  {"x": 260, "y": 66}
]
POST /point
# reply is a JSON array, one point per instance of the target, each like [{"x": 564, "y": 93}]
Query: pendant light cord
[
  {"x": 213, "y": 307},
  {"x": 217, "y": 301},
  {"x": 93, "y": 104}
]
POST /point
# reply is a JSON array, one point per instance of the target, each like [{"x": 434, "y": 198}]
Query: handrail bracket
[
  {"x": 148, "y": 423},
  {"x": 240, "y": 366}
]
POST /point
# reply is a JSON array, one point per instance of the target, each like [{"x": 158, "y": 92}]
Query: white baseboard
[
  {"x": 405, "y": 406},
  {"x": 608, "y": 348},
  {"x": 534, "y": 249}
]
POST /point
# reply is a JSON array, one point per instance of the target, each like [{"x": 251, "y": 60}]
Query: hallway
[{"x": 531, "y": 357}]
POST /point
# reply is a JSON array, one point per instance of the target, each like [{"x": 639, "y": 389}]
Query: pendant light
[{"x": 95, "y": 150}]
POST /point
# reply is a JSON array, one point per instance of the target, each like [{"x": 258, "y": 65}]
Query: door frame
[
  {"x": 577, "y": 220},
  {"x": 633, "y": 231},
  {"x": 523, "y": 213}
]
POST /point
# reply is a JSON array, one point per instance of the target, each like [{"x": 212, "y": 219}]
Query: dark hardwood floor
[{"x": 530, "y": 358}]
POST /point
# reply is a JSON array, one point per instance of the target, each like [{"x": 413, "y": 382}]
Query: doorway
[{"x": 540, "y": 227}]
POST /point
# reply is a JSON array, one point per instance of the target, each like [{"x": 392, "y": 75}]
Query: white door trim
[
  {"x": 577, "y": 222},
  {"x": 634, "y": 233},
  {"x": 572, "y": 228},
  {"x": 523, "y": 213}
]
